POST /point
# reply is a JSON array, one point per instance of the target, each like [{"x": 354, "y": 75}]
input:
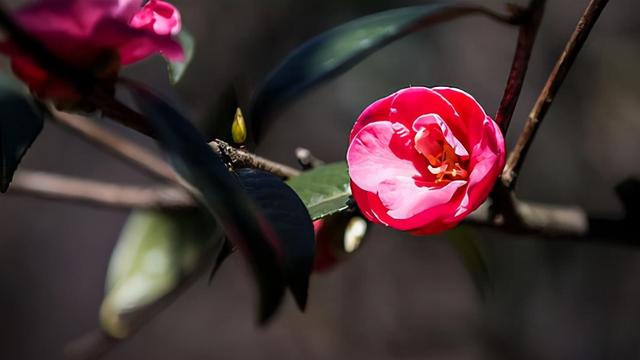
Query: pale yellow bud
[{"x": 239, "y": 128}]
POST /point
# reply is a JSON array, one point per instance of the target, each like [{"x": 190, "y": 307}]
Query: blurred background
[{"x": 399, "y": 297}]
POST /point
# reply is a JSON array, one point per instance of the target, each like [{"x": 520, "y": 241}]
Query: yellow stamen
[{"x": 445, "y": 165}]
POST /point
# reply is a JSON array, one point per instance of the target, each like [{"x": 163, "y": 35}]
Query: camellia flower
[
  {"x": 422, "y": 159},
  {"x": 95, "y": 35}
]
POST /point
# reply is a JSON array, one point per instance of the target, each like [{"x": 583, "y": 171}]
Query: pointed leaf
[
  {"x": 324, "y": 190},
  {"x": 290, "y": 219},
  {"x": 178, "y": 68},
  {"x": 339, "y": 49},
  {"x": 221, "y": 192},
  {"x": 157, "y": 254},
  {"x": 20, "y": 125}
]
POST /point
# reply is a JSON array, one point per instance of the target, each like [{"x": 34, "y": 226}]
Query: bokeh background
[{"x": 399, "y": 297}]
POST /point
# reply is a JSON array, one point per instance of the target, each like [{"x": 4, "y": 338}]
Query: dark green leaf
[
  {"x": 20, "y": 124},
  {"x": 289, "y": 218},
  {"x": 324, "y": 190},
  {"x": 178, "y": 68},
  {"x": 157, "y": 255},
  {"x": 339, "y": 49},
  {"x": 221, "y": 192}
]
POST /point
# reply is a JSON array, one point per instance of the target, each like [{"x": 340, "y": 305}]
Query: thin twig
[
  {"x": 548, "y": 93},
  {"x": 306, "y": 159},
  {"x": 541, "y": 219},
  {"x": 526, "y": 39},
  {"x": 59, "y": 187},
  {"x": 126, "y": 149}
]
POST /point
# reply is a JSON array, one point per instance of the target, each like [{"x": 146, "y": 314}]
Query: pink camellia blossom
[
  {"x": 96, "y": 35},
  {"x": 160, "y": 16},
  {"x": 422, "y": 159}
]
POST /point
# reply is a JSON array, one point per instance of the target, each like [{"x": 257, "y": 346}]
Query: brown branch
[
  {"x": 548, "y": 93},
  {"x": 243, "y": 159},
  {"x": 541, "y": 219},
  {"x": 526, "y": 38},
  {"x": 538, "y": 219},
  {"x": 503, "y": 199},
  {"x": 125, "y": 149},
  {"x": 59, "y": 187},
  {"x": 564, "y": 223}
]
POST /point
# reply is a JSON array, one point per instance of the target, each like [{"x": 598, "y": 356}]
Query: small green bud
[{"x": 239, "y": 128}]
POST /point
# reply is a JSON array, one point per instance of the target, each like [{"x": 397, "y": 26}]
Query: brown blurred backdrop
[{"x": 400, "y": 297}]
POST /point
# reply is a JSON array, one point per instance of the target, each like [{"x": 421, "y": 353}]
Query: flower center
[{"x": 444, "y": 163}]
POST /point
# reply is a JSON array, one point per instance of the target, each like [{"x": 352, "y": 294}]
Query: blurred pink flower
[
  {"x": 96, "y": 35},
  {"x": 422, "y": 159}
]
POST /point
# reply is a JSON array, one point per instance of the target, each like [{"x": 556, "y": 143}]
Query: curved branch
[
  {"x": 548, "y": 93},
  {"x": 118, "y": 145}
]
